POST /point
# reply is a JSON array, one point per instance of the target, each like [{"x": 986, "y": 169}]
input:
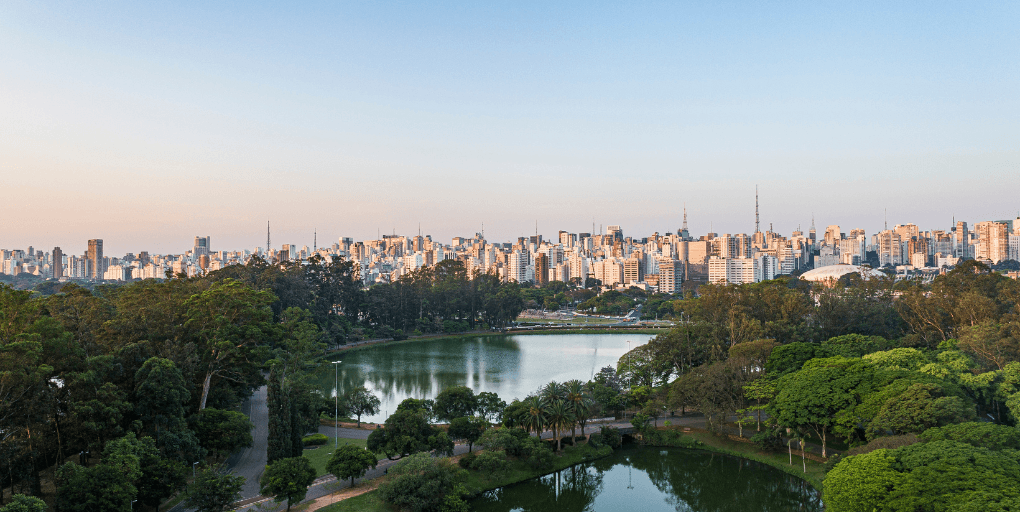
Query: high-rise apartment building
[
  {"x": 58, "y": 263},
  {"x": 670, "y": 277},
  {"x": 541, "y": 269},
  {"x": 632, "y": 270},
  {"x": 993, "y": 241},
  {"x": 201, "y": 246},
  {"x": 962, "y": 241},
  {"x": 96, "y": 263},
  {"x": 890, "y": 248}
]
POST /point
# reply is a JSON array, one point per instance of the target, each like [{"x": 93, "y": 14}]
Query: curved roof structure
[{"x": 837, "y": 271}]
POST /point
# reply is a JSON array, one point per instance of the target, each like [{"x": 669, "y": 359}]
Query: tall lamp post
[{"x": 336, "y": 404}]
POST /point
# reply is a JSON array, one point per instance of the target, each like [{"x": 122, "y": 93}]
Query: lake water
[
  {"x": 657, "y": 480},
  {"x": 511, "y": 366}
]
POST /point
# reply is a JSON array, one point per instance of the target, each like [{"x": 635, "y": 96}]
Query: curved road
[{"x": 250, "y": 462}]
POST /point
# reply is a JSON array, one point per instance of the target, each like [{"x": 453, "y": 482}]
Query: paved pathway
[{"x": 250, "y": 462}]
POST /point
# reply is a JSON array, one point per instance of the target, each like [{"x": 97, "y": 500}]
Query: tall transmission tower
[
  {"x": 756, "y": 209},
  {"x": 268, "y": 244}
]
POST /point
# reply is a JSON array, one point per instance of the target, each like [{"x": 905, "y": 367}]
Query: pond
[
  {"x": 511, "y": 366},
  {"x": 654, "y": 480}
]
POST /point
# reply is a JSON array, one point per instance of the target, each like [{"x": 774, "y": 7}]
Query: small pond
[{"x": 638, "y": 479}]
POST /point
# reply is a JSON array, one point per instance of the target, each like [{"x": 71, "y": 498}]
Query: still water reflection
[
  {"x": 653, "y": 480},
  {"x": 511, "y": 366}
]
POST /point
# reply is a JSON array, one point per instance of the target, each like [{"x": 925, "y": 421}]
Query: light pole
[
  {"x": 336, "y": 403},
  {"x": 133, "y": 505},
  {"x": 193, "y": 464}
]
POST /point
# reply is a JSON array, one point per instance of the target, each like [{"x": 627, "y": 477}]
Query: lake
[
  {"x": 657, "y": 480},
  {"x": 511, "y": 366}
]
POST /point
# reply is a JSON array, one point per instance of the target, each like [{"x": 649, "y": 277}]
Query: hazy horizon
[{"x": 147, "y": 125}]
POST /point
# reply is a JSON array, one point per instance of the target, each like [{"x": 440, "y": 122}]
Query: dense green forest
[
  {"x": 918, "y": 385},
  {"x": 149, "y": 376}
]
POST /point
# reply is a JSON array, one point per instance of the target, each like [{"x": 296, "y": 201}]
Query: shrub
[
  {"x": 670, "y": 438},
  {"x": 612, "y": 437},
  {"x": 887, "y": 442},
  {"x": 315, "y": 440},
  {"x": 492, "y": 463},
  {"x": 467, "y": 460},
  {"x": 596, "y": 440},
  {"x": 421, "y": 483},
  {"x": 768, "y": 440},
  {"x": 541, "y": 457},
  {"x": 832, "y": 462}
]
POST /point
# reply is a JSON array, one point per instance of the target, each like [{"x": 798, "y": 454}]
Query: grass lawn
[
  {"x": 815, "y": 470},
  {"x": 368, "y": 502},
  {"x": 320, "y": 456}
]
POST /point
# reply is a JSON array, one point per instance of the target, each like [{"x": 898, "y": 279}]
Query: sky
[{"x": 148, "y": 123}]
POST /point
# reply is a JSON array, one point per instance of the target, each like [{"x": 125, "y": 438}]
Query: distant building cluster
[{"x": 660, "y": 262}]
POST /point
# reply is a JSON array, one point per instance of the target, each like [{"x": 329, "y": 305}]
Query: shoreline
[{"x": 475, "y": 334}]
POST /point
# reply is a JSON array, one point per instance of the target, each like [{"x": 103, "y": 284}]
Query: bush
[
  {"x": 832, "y": 462},
  {"x": 420, "y": 483},
  {"x": 315, "y": 440},
  {"x": 888, "y": 442},
  {"x": 611, "y": 437},
  {"x": 768, "y": 440},
  {"x": 669, "y": 438},
  {"x": 541, "y": 457},
  {"x": 492, "y": 463},
  {"x": 467, "y": 460}
]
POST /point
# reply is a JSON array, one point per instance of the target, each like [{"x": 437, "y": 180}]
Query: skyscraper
[
  {"x": 58, "y": 263},
  {"x": 95, "y": 259},
  {"x": 962, "y": 240},
  {"x": 201, "y": 246}
]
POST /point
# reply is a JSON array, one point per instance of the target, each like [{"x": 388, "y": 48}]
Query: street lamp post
[
  {"x": 336, "y": 403},
  {"x": 193, "y": 464},
  {"x": 133, "y": 505}
]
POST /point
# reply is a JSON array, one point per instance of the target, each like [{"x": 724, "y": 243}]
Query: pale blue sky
[{"x": 148, "y": 124}]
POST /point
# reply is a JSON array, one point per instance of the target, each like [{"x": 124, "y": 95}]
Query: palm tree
[
  {"x": 536, "y": 417},
  {"x": 576, "y": 395},
  {"x": 553, "y": 391},
  {"x": 558, "y": 416}
]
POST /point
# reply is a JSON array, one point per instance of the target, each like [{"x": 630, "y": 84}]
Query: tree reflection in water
[
  {"x": 511, "y": 366},
  {"x": 662, "y": 480}
]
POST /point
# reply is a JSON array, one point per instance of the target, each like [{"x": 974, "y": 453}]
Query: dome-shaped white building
[{"x": 834, "y": 272}]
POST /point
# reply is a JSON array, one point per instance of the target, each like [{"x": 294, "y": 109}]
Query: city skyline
[{"x": 149, "y": 123}]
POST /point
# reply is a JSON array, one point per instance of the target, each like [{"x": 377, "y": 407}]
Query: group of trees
[
  {"x": 439, "y": 298},
  {"x": 872, "y": 365},
  {"x": 118, "y": 391}
]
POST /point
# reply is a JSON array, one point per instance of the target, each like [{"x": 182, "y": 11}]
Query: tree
[
  {"x": 213, "y": 492},
  {"x": 820, "y": 396},
  {"x": 490, "y": 406},
  {"x": 349, "y": 461},
  {"x": 359, "y": 401},
  {"x": 101, "y": 488},
  {"x": 420, "y": 483},
  {"x": 407, "y": 431},
  {"x": 161, "y": 394},
  {"x": 222, "y": 432},
  {"x": 455, "y": 402},
  {"x": 920, "y": 407},
  {"x": 558, "y": 417},
  {"x": 288, "y": 479},
  {"x": 468, "y": 428},
  {"x": 229, "y": 320},
  {"x": 281, "y": 434},
  {"x": 22, "y": 503}
]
